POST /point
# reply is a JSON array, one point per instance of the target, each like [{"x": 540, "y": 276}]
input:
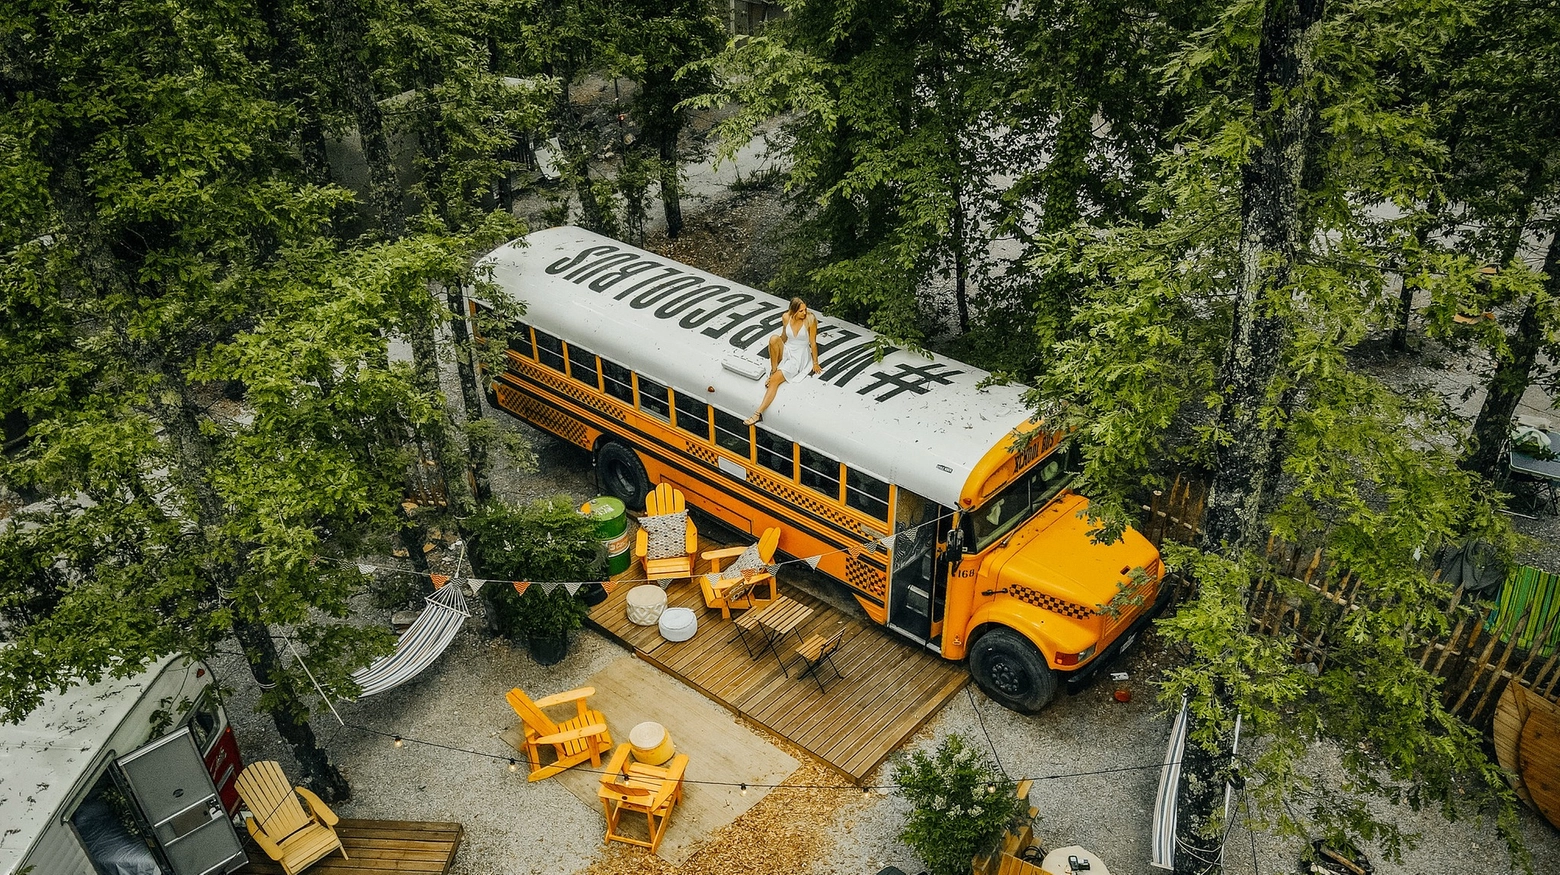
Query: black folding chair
[{"x": 818, "y": 650}]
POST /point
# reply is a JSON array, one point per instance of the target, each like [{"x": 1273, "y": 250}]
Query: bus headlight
[{"x": 1076, "y": 658}]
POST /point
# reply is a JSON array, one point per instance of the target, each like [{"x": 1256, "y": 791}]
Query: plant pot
[
  {"x": 593, "y": 594},
  {"x": 548, "y": 649}
]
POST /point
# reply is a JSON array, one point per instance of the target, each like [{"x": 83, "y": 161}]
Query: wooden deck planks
[
  {"x": 377, "y": 846},
  {"x": 887, "y": 691}
]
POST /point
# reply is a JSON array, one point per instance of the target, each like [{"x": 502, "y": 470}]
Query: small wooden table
[{"x": 780, "y": 618}]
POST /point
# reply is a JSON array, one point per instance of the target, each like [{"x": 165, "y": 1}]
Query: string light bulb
[
  {"x": 513, "y": 766},
  {"x": 399, "y": 742},
  {"x": 744, "y": 789},
  {"x": 866, "y": 791}
]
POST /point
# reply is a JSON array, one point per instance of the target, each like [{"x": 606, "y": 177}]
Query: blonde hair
[{"x": 796, "y": 304}]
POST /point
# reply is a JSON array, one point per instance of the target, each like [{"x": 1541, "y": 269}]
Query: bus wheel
[
  {"x": 622, "y": 474},
  {"x": 1011, "y": 670}
]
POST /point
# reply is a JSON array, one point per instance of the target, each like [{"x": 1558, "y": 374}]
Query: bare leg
[{"x": 776, "y": 345}]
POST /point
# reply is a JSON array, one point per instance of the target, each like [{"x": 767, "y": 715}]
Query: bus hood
[{"x": 1056, "y": 557}]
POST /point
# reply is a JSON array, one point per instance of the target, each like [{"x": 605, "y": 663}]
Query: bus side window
[
  {"x": 549, "y": 350},
  {"x": 776, "y": 453},
  {"x": 693, "y": 415},
  {"x": 866, "y": 493},
  {"x": 821, "y": 473},
  {"x": 520, "y": 340},
  {"x": 619, "y": 382},
  {"x": 731, "y": 434},
  {"x": 652, "y": 399},
  {"x": 582, "y": 366}
]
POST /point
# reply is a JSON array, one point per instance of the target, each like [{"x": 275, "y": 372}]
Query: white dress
[{"x": 796, "y": 355}]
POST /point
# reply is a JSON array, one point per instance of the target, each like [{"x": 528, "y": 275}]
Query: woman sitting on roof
[{"x": 789, "y": 353}]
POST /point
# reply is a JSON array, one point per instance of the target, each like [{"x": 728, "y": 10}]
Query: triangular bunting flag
[
  {"x": 812, "y": 561},
  {"x": 573, "y": 587},
  {"x": 887, "y": 541},
  {"x": 609, "y": 585},
  {"x": 476, "y": 584},
  {"x": 521, "y": 586},
  {"x": 365, "y": 568},
  {"x": 439, "y": 580}
]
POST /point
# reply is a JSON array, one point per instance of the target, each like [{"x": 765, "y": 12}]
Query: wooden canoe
[{"x": 1510, "y": 713}]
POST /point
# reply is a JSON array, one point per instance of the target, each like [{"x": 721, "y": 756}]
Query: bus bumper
[{"x": 1078, "y": 681}]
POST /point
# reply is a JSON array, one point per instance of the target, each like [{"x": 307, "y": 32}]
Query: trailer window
[{"x": 205, "y": 720}]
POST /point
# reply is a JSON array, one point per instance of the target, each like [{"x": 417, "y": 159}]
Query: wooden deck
[
  {"x": 889, "y": 689},
  {"x": 375, "y": 846}
]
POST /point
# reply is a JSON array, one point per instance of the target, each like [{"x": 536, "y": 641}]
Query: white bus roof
[
  {"x": 47, "y": 753},
  {"x": 915, "y": 420}
]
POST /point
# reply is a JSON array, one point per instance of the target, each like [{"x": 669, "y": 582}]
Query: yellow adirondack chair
[
  {"x": 639, "y": 788},
  {"x": 289, "y": 835},
  {"x": 761, "y": 584},
  {"x": 666, "y": 500},
  {"x": 580, "y": 738}
]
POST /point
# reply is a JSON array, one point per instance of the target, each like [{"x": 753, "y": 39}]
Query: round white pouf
[
  {"x": 678, "y": 624},
  {"x": 645, "y": 604}
]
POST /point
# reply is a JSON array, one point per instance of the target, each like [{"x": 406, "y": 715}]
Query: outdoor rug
[
  {"x": 1534, "y": 595},
  {"x": 720, "y": 751}
]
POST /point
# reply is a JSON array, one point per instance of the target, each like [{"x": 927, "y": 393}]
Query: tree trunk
[
  {"x": 1272, "y": 223},
  {"x": 470, "y": 393},
  {"x": 1513, "y": 375},
  {"x": 577, "y": 146},
  {"x": 425, "y": 371},
  {"x": 319, "y": 774},
  {"x": 346, "y": 25},
  {"x": 671, "y": 184},
  {"x": 179, "y": 415}
]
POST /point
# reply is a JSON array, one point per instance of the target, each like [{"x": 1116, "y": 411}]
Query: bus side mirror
[{"x": 954, "y": 552}]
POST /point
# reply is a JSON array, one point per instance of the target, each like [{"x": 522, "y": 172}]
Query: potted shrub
[
  {"x": 960, "y": 805},
  {"x": 547, "y": 540}
]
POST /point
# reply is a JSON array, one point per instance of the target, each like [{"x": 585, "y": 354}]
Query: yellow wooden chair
[
  {"x": 761, "y": 583},
  {"x": 582, "y": 737},
  {"x": 639, "y": 788},
  {"x": 287, "y": 833},
  {"x": 661, "y": 563}
]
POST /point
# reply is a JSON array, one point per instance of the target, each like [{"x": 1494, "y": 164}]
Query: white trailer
[{"x": 117, "y": 778}]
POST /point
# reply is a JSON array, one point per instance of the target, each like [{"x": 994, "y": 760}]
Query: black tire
[
  {"x": 622, "y": 475},
  {"x": 1012, "y": 671}
]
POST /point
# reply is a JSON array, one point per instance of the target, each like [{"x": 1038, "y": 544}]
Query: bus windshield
[{"x": 1024, "y": 496}]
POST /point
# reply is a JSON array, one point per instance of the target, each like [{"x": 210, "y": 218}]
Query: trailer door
[{"x": 173, "y": 791}]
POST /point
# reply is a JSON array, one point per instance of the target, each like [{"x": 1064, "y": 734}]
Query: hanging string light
[{"x": 398, "y": 742}]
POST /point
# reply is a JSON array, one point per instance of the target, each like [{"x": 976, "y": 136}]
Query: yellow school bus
[{"x": 652, "y": 366}]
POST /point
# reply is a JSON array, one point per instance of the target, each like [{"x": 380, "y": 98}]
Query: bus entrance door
[{"x": 915, "y": 588}]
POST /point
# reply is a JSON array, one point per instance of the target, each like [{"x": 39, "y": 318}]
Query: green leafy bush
[
  {"x": 960, "y": 805},
  {"x": 546, "y": 540}
]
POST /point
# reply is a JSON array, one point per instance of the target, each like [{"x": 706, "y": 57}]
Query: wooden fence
[{"x": 1476, "y": 660}]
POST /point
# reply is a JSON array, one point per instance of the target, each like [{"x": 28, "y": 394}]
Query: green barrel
[{"x": 612, "y": 530}]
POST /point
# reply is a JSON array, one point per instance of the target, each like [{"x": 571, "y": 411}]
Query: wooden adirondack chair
[
  {"x": 679, "y": 563},
  {"x": 636, "y": 787},
  {"x": 762, "y": 587},
  {"x": 580, "y": 738},
  {"x": 287, "y": 833}
]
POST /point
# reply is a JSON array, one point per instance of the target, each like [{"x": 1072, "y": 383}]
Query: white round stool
[
  {"x": 650, "y": 743},
  {"x": 678, "y": 624},
  {"x": 645, "y": 604}
]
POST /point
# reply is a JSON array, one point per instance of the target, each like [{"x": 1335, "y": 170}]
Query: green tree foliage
[
  {"x": 203, "y": 366},
  {"x": 1218, "y": 335},
  {"x": 548, "y": 540}
]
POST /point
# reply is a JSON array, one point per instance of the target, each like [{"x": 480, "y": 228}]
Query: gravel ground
[{"x": 1095, "y": 760}]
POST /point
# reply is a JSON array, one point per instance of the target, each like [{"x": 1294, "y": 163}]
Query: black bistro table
[{"x": 1545, "y": 471}]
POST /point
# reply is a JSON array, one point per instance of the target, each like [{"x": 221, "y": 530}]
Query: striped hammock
[
  {"x": 1530, "y": 599},
  {"x": 420, "y": 645}
]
